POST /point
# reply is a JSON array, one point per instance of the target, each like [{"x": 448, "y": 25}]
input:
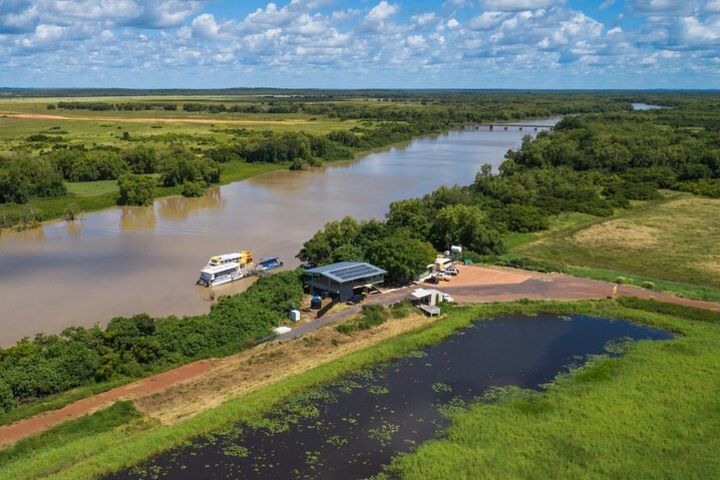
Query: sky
[{"x": 523, "y": 44}]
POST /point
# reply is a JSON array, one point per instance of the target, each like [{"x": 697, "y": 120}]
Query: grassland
[
  {"x": 156, "y": 129},
  {"x": 649, "y": 414},
  {"x": 671, "y": 243}
]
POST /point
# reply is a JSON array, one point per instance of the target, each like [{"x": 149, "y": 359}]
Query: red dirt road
[
  {"x": 473, "y": 285},
  {"x": 39, "y": 423},
  {"x": 538, "y": 286}
]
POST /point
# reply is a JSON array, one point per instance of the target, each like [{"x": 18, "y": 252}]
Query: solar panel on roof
[{"x": 354, "y": 271}]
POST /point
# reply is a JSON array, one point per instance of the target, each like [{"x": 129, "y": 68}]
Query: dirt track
[
  {"x": 182, "y": 387},
  {"x": 203, "y": 121},
  {"x": 537, "y": 286}
]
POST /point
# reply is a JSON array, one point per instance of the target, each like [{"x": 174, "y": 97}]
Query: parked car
[
  {"x": 451, "y": 271},
  {"x": 443, "y": 277},
  {"x": 433, "y": 280},
  {"x": 447, "y": 298},
  {"x": 355, "y": 299}
]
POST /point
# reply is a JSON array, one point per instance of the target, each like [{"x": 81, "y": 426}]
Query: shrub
[
  {"x": 7, "y": 398},
  {"x": 520, "y": 218},
  {"x": 621, "y": 280},
  {"x": 193, "y": 189},
  {"x": 136, "y": 190},
  {"x": 141, "y": 159},
  {"x": 71, "y": 212},
  {"x": 648, "y": 285},
  {"x": 371, "y": 316},
  {"x": 344, "y": 137},
  {"x": 179, "y": 167},
  {"x": 22, "y": 178}
]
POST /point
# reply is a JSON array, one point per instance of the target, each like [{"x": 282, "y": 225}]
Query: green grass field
[
  {"x": 649, "y": 414},
  {"x": 671, "y": 242}
]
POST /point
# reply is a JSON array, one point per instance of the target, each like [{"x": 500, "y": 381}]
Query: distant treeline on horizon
[{"x": 11, "y": 92}]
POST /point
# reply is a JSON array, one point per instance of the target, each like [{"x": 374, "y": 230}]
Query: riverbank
[
  {"x": 123, "y": 261},
  {"x": 89, "y": 197},
  {"x": 94, "y": 455}
]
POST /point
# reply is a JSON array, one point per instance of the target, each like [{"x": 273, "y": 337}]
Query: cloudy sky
[{"x": 361, "y": 43}]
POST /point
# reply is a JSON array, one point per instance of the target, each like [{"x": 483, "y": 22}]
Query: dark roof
[{"x": 347, "y": 271}]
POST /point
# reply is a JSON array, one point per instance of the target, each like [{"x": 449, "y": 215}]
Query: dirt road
[
  {"x": 477, "y": 285},
  {"x": 173, "y": 394}
]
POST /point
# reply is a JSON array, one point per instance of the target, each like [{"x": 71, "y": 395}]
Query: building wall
[{"x": 343, "y": 291}]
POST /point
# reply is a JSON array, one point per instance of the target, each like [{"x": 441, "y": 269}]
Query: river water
[
  {"x": 129, "y": 260},
  {"x": 350, "y": 429}
]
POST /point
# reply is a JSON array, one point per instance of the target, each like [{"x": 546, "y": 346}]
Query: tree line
[
  {"x": 107, "y": 106},
  {"x": 591, "y": 164},
  {"x": 135, "y": 346}
]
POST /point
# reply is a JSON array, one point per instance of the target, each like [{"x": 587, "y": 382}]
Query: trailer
[{"x": 270, "y": 263}]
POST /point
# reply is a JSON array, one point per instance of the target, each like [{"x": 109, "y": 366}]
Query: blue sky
[{"x": 360, "y": 43}]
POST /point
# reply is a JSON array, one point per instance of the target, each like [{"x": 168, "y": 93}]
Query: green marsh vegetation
[
  {"x": 659, "y": 392},
  {"x": 652, "y": 413}
]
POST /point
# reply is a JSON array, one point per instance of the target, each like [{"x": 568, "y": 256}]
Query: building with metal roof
[{"x": 343, "y": 278}]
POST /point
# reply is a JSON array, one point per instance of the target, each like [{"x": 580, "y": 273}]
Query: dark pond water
[{"x": 353, "y": 427}]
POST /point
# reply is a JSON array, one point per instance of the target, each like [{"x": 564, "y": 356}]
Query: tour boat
[
  {"x": 242, "y": 258},
  {"x": 212, "y": 276}
]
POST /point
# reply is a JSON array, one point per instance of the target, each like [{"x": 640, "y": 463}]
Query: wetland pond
[{"x": 352, "y": 427}]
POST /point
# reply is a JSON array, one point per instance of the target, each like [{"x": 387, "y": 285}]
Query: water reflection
[
  {"x": 123, "y": 261},
  {"x": 137, "y": 218},
  {"x": 180, "y": 208}
]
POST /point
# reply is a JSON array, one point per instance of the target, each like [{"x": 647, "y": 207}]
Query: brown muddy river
[{"x": 129, "y": 260}]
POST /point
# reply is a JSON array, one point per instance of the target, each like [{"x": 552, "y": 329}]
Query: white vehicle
[
  {"x": 220, "y": 274},
  {"x": 447, "y": 298},
  {"x": 450, "y": 271}
]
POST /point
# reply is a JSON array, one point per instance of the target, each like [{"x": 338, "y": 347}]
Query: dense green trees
[
  {"x": 281, "y": 148},
  {"x": 635, "y": 152},
  {"x": 401, "y": 257},
  {"x": 86, "y": 166},
  {"x": 141, "y": 159},
  {"x": 136, "y": 190},
  {"x": 131, "y": 346},
  {"x": 23, "y": 177},
  {"x": 106, "y": 106},
  {"x": 180, "y": 166},
  {"x": 464, "y": 225},
  {"x": 394, "y": 250}
]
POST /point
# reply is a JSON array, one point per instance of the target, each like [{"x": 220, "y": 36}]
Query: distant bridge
[{"x": 507, "y": 126}]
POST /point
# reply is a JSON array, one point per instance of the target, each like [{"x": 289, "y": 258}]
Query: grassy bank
[
  {"x": 685, "y": 368},
  {"x": 669, "y": 244}
]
